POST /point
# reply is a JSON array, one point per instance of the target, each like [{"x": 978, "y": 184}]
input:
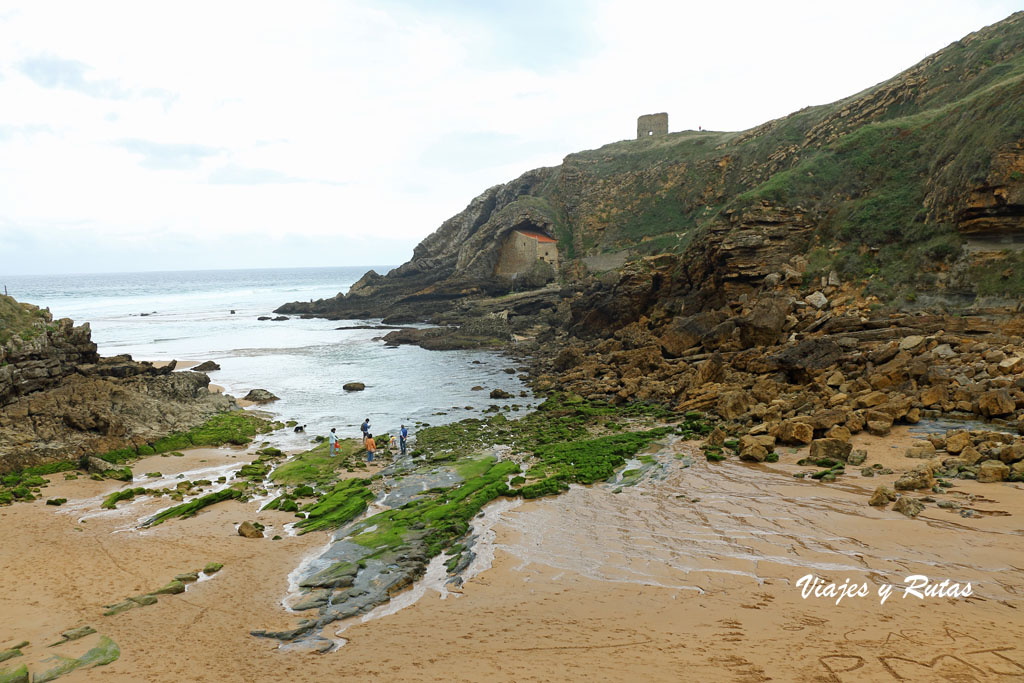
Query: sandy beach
[{"x": 692, "y": 577}]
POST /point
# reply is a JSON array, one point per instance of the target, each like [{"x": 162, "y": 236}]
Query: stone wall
[
  {"x": 650, "y": 125},
  {"x": 520, "y": 251}
]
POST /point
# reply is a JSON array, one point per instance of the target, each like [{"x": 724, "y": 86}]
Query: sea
[{"x": 213, "y": 315}]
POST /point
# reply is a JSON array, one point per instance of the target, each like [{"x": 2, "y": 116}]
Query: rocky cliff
[
  {"x": 915, "y": 185},
  {"x": 60, "y": 400}
]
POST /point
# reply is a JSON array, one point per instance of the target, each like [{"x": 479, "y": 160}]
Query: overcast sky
[{"x": 165, "y": 136}]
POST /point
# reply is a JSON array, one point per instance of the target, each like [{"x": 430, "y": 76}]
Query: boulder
[
  {"x": 763, "y": 326},
  {"x": 755, "y": 448},
  {"x": 957, "y": 442},
  {"x": 249, "y": 530},
  {"x": 857, "y": 456},
  {"x": 1012, "y": 453},
  {"x": 834, "y": 449},
  {"x": 716, "y": 437},
  {"x": 883, "y": 495},
  {"x": 734, "y": 404},
  {"x": 872, "y": 399},
  {"x": 920, "y": 449},
  {"x": 684, "y": 333},
  {"x": 1011, "y": 365},
  {"x": 970, "y": 455},
  {"x": 1017, "y": 471},
  {"x": 794, "y": 432},
  {"x": 878, "y": 428},
  {"x": 918, "y": 478},
  {"x": 911, "y": 507},
  {"x": 754, "y": 453},
  {"x": 911, "y": 342},
  {"x": 353, "y": 386},
  {"x": 500, "y": 393},
  {"x": 996, "y": 403},
  {"x": 993, "y": 470},
  {"x": 259, "y": 396},
  {"x": 817, "y": 299},
  {"x": 838, "y": 432},
  {"x": 208, "y": 366},
  {"x": 933, "y": 395}
]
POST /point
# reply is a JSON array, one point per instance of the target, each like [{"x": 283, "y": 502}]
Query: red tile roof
[{"x": 537, "y": 236}]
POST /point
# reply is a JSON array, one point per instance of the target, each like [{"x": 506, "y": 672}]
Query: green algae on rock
[
  {"x": 237, "y": 428},
  {"x": 315, "y": 466},
  {"x": 105, "y": 652},
  {"x": 18, "y": 674},
  {"x": 346, "y": 501},
  {"x": 192, "y": 507}
]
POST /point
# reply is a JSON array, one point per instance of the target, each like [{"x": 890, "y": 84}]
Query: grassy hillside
[{"x": 887, "y": 169}]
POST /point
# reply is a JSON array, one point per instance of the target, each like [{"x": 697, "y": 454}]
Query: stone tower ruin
[{"x": 650, "y": 125}]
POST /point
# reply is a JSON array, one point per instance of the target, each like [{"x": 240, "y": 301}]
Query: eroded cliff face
[
  {"x": 60, "y": 400},
  {"x": 456, "y": 261}
]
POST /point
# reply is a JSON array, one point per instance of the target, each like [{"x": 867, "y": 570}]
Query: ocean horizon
[{"x": 200, "y": 315}]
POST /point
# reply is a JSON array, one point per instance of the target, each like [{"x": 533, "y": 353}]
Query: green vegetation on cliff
[{"x": 23, "y": 321}]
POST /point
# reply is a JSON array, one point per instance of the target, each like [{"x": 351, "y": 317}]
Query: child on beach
[{"x": 371, "y": 447}]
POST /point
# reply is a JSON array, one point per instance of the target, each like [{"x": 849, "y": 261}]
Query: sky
[{"x": 190, "y": 135}]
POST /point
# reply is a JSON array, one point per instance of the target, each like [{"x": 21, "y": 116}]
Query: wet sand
[{"x": 690, "y": 575}]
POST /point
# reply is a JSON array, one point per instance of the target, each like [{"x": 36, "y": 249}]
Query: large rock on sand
[
  {"x": 911, "y": 507},
  {"x": 259, "y": 396},
  {"x": 882, "y": 496},
  {"x": 834, "y": 449},
  {"x": 249, "y": 530},
  {"x": 993, "y": 470},
  {"x": 918, "y": 478}
]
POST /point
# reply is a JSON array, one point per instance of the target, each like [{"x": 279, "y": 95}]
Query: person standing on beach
[
  {"x": 332, "y": 439},
  {"x": 403, "y": 434},
  {"x": 371, "y": 447},
  {"x": 365, "y": 429}
]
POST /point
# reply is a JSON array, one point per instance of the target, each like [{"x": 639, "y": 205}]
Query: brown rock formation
[{"x": 59, "y": 400}]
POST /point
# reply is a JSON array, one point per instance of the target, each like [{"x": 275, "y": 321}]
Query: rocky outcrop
[
  {"x": 259, "y": 396},
  {"x": 59, "y": 400},
  {"x": 40, "y": 356}
]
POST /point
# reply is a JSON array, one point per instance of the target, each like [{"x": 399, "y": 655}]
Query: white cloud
[{"x": 353, "y": 123}]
